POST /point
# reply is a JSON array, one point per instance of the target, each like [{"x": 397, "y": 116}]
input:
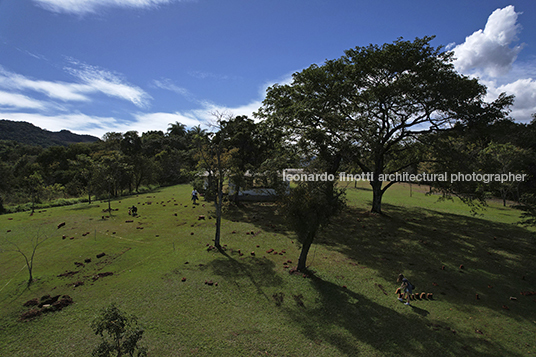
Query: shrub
[{"x": 122, "y": 334}]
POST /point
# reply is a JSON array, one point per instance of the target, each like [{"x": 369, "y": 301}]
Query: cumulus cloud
[
  {"x": 488, "y": 51},
  {"x": 81, "y": 7},
  {"x": 489, "y": 54},
  {"x": 524, "y": 91}
]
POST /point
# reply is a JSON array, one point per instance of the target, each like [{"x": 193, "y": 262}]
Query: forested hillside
[{"x": 29, "y": 134}]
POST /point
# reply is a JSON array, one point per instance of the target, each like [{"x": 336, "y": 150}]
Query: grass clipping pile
[{"x": 44, "y": 305}]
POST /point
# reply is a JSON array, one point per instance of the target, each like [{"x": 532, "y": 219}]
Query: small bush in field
[{"x": 120, "y": 334}]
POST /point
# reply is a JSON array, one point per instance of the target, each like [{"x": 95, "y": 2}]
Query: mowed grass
[{"x": 345, "y": 307}]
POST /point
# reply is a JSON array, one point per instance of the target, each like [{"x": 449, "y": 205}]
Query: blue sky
[{"x": 94, "y": 66}]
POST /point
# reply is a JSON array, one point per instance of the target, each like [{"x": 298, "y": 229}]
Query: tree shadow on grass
[
  {"x": 455, "y": 257},
  {"x": 264, "y": 215},
  {"x": 346, "y": 320},
  {"x": 259, "y": 272},
  {"x": 430, "y": 246}
]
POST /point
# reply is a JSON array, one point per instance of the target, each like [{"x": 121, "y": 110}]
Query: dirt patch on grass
[
  {"x": 45, "y": 305},
  {"x": 102, "y": 275}
]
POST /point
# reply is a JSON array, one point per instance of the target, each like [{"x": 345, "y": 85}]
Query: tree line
[
  {"x": 118, "y": 164},
  {"x": 123, "y": 163}
]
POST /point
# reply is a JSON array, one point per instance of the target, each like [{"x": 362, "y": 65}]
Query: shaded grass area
[{"x": 345, "y": 306}]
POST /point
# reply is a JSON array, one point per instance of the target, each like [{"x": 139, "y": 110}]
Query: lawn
[{"x": 162, "y": 265}]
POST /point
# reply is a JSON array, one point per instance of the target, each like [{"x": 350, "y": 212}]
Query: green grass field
[{"x": 346, "y": 308}]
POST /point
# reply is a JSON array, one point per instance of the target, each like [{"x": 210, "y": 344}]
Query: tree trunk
[
  {"x": 29, "y": 265},
  {"x": 377, "y": 194},
  {"x": 237, "y": 193},
  {"x": 219, "y": 199},
  {"x": 109, "y": 205},
  {"x": 304, "y": 251},
  {"x": 30, "y": 278},
  {"x": 218, "y": 222}
]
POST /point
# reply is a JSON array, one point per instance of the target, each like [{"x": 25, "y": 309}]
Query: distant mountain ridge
[{"x": 29, "y": 134}]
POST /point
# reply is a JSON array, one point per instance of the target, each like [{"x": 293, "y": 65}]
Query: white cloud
[
  {"x": 524, "y": 91},
  {"x": 206, "y": 113},
  {"x": 75, "y": 122},
  {"x": 98, "y": 126},
  {"x": 488, "y": 51},
  {"x": 210, "y": 75},
  {"x": 56, "y": 90},
  {"x": 99, "y": 80},
  {"x": 167, "y": 84},
  {"x": 93, "y": 80},
  {"x": 80, "y": 7},
  {"x": 488, "y": 55},
  {"x": 16, "y": 101},
  {"x": 160, "y": 121}
]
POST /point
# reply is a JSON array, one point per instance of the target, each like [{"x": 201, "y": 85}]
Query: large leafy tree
[
  {"x": 504, "y": 159},
  {"x": 241, "y": 134},
  {"x": 371, "y": 106},
  {"x": 131, "y": 147},
  {"x": 85, "y": 166},
  {"x": 111, "y": 173},
  {"x": 472, "y": 146}
]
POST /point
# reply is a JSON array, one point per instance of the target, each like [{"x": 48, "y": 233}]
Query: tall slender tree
[{"x": 213, "y": 158}]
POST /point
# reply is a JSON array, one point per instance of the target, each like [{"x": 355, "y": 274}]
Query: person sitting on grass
[{"x": 405, "y": 288}]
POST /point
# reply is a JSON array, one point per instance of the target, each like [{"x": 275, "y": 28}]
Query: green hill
[{"x": 30, "y": 134}]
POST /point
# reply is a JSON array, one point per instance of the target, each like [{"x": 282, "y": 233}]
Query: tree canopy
[{"x": 371, "y": 105}]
